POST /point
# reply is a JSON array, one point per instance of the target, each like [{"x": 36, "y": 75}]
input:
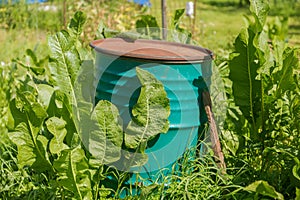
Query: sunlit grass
[
  {"x": 15, "y": 42},
  {"x": 217, "y": 23}
]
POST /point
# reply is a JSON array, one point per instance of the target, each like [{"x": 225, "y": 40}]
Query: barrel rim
[{"x": 208, "y": 54}]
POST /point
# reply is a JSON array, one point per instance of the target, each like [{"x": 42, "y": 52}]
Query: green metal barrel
[{"x": 178, "y": 67}]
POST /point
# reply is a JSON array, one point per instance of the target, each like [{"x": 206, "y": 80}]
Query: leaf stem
[
  {"x": 251, "y": 90},
  {"x": 73, "y": 174}
]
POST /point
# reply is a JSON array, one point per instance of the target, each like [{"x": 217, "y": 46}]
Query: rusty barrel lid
[{"x": 156, "y": 50}]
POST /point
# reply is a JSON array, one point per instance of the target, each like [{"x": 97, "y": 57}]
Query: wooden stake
[
  {"x": 64, "y": 14},
  {"x": 164, "y": 18},
  {"x": 194, "y": 19},
  {"x": 214, "y": 137}
]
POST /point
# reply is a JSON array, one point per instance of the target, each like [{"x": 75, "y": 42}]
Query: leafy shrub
[{"x": 262, "y": 129}]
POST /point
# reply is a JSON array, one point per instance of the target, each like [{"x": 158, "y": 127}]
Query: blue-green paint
[{"x": 119, "y": 84}]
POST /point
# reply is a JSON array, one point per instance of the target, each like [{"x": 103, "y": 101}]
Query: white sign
[{"x": 189, "y": 8}]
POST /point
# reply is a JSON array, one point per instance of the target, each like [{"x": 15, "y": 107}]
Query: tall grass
[{"x": 197, "y": 179}]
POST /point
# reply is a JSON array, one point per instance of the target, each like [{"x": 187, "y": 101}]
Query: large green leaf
[
  {"x": 85, "y": 85},
  {"x": 259, "y": 9},
  {"x": 264, "y": 55},
  {"x": 263, "y": 188},
  {"x": 285, "y": 76},
  {"x": 151, "y": 112},
  {"x": 29, "y": 118},
  {"x": 31, "y": 148},
  {"x": 176, "y": 19},
  {"x": 44, "y": 94},
  {"x": 107, "y": 137},
  {"x": 56, "y": 126},
  {"x": 64, "y": 63},
  {"x": 75, "y": 30},
  {"x": 100, "y": 128},
  {"x": 180, "y": 35},
  {"x": 244, "y": 64},
  {"x": 73, "y": 173},
  {"x": 60, "y": 106},
  {"x": 84, "y": 89},
  {"x": 148, "y": 26},
  {"x": 77, "y": 23},
  {"x": 296, "y": 169}
]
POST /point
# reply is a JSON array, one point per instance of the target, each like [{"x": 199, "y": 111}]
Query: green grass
[
  {"x": 217, "y": 23},
  {"x": 15, "y": 42},
  {"x": 294, "y": 30}
]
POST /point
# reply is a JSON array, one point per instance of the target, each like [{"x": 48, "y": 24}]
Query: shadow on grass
[
  {"x": 226, "y": 6},
  {"x": 222, "y": 4},
  {"x": 294, "y": 26},
  {"x": 285, "y": 9}
]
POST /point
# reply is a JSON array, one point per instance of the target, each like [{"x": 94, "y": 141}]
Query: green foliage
[
  {"x": 76, "y": 24},
  {"x": 56, "y": 126},
  {"x": 285, "y": 8},
  {"x": 65, "y": 62},
  {"x": 197, "y": 178},
  {"x": 23, "y": 16},
  {"x": 108, "y": 138},
  {"x": 148, "y": 26},
  {"x": 278, "y": 28},
  {"x": 62, "y": 139},
  {"x": 149, "y": 117},
  {"x": 72, "y": 170},
  {"x": 263, "y": 128},
  {"x": 59, "y": 132},
  {"x": 181, "y": 35},
  {"x": 263, "y": 188},
  {"x": 243, "y": 73},
  {"x": 5, "y": 91},
  {"x": 150, "y": 113}
]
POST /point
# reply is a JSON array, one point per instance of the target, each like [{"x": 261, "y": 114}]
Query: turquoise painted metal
[{"x": 178, "y": 70}]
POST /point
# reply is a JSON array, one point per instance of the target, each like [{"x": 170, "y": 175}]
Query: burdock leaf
[
  {"x": 31, "y": 148},
  {"x": 151, "y": 112},
  {"x": 244, "y": 64},
  {"x": 259, "y": 9},
  {"x": 73, "y": 172},
  {"x": 107, "y": 137},
  {"x": 56, "y": 126},
  {"x": 263, "y": 188},
  {"x": 77, "y": 23},
  {"x": 64, "y": 63}
]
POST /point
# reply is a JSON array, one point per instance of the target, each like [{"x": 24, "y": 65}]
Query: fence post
[
  {"x": 164, "y": 18},
  {"x": 194, "y": 20},
  {"x": 64, "y": 14}
]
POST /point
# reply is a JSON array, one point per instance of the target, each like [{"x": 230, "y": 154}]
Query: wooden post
[
  {"x": 64, "y": 14},
  {"x": 194, "y": 19},
  {"x": 164, "y": 18},
  {"x": 214, "y": 137}
]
